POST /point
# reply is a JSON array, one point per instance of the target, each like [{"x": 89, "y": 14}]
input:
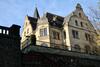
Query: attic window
[{"x": 54, "y": 18}]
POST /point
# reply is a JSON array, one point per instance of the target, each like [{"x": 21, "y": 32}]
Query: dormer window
[{"x": 54, "y": 18}]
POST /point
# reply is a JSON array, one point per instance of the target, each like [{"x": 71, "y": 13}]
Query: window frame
[
  {"x": 43, "y": 32},
  {"x": 81, "y": 24},
  {"x": 56, "y": 35},
  {"x": 75, "y": 34},
  {"x": 76, "y": 23},
  {"x": 87, "y": 37}
]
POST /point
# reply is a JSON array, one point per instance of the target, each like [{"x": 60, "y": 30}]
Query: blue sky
[{"x": 14, "y": 11}]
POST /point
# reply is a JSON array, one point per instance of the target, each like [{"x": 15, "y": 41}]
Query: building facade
[{"x": 73, "y": 32}]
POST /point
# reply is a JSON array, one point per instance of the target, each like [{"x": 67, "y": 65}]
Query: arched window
[
  {"x": 77, "y": 48},
  {"x": 76, "y": 22},
  {"x": 80, "y": 15},
  {"x": 81, "y": 24}
]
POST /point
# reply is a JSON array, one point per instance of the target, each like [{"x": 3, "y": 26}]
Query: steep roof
[
  {"x": 33, "y": 22},
  {"x": 68, "y": 17},
  {"x": 36, "y": 13},
  {"x": 58, "y": 19}
]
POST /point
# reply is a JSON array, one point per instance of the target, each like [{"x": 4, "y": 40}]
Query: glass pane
[{"x": 45, "y": 31}]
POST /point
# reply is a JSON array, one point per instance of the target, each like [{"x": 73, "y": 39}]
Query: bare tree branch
[{"x": 94, "y": 15}]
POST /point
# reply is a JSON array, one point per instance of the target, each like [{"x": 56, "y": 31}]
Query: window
[
  {"x": 56, "y": 35},
  {"x": 80, "y": 15},
  {"x": 87, "y": 36},
  {"x": 75, "y": 34},
  {"x": 81, "y": 24},
  {"x": 76, "y": 23},
  {"x": 43, "y": 32}
]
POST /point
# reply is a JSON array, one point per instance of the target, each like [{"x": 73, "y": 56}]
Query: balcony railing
[{"x": 28, "y": 42}]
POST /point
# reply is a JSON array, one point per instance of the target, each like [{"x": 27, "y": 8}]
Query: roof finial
[
  {"x": 78, "y": 6},
  {"x": 36, "y": 13}
]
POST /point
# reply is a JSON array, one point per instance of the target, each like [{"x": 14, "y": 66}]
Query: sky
[{"x": 14, "y": 11}]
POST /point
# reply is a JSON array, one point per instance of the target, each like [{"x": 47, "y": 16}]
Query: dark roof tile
[
  {"x": 58, "y": 22},
  {"x": 33, "y": 22}
]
